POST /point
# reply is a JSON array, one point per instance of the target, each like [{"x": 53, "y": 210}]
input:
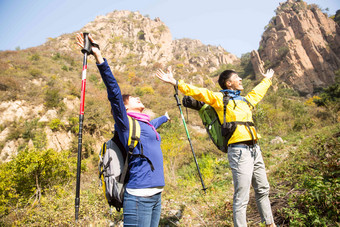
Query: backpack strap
[
  {"x": 134, "y": 138},
  {"x": 134, "y": 133},
  {"x": 101, "y": 155},
  {"x": 249, "y": 104},
  {"x": 226, "y": 99}
]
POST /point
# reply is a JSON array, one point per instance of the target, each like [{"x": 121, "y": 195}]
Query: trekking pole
[
  {"x": 86, "y": 50},
  {"x": 186, "y": 130}
]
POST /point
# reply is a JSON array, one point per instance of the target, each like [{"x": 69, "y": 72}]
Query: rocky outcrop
[
  {"x": 198, "y": 55},
  {"x": 302, "y": 45},
  {"x": 13, "y": 112},
  {"x": 130, "y": 38}
]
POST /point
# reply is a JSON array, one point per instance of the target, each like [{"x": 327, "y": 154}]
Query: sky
[{"x": 236, "y": 25}]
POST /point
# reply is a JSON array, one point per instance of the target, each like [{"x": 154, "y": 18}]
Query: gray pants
[{"x": 248, "y": 168}]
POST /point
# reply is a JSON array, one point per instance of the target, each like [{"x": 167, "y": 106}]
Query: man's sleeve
[
  {"x": 211, "y": 98},
  {"x": 256, "y": 95}
]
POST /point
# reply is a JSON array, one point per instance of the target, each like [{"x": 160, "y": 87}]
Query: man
[{"x": 244, "y": 153}]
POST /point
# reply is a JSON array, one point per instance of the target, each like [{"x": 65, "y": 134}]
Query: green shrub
[
  {"x": 56, "y": 124},
  {"x": 140, "y": 91},
  {"x": 65, "y": 68},
  {"x": 25, "y": 179},
  {"x": 52, "y": 98},
  {"x": 35, "y": 57},
  {"x": 35, "y": 72},
  {"x": 74, "y": 124},
  {"x": 314, "y": 174},
  {"x": 56, "y": 56}
]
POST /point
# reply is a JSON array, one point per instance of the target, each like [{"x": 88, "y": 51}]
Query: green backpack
[
  {"x": 210, "y": 121},
  {"x": 213, "y": 126},
  {"x": 219, "y": 133}
]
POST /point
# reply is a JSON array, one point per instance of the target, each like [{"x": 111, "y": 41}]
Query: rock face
[
  {"x": 302, "y": 44},
  {"x": 126, "y": 37}
]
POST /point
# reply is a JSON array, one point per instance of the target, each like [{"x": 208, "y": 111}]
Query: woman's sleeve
[
  {"x": 158, "y": 121},
  {"x": 114, "y": 96}
]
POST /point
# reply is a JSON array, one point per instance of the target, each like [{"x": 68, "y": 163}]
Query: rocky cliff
[
  {"x": 302, "y": 45},
  {"x": 125, "y": 35}
]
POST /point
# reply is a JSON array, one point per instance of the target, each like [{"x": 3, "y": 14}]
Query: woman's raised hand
[
  {"x": 95, "y": 48},
  {"x": 166, "y": 77}
]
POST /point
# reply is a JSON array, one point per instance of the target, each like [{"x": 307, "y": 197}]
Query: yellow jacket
[{"x": 242, "y": 111}]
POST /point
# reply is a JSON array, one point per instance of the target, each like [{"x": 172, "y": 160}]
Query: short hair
[
  {"x": 224, "y": 77},
  {"x": 126, "y": 98}
]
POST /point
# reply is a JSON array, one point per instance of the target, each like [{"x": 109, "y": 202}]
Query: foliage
[
  {"x": 28, "y": 130},
  {"x": 56, "y": 124},
  {"x": 35, "y": 57},
  {"x": 313, "y": 171},
  {"x": 330, "y": 99},
  {"x": 247, "y": 65},
  {"x": 52, "y": 98},
  {"x": 35, "y": 72},
  {"x": 74, "y": 124},
  {"x": 140, "y": 91},
  {"x": 330, "y": 94},
  {"x": 337, "y": 17},
  {"x": 30, "y": 174}
]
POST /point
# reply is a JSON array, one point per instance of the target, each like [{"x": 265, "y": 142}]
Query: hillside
[
  {"x": 43, "y": 82},
  {"x": 39, "y": 107}
]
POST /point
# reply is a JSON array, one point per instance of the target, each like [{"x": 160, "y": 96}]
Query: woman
[{"x": 142, "y": 198}]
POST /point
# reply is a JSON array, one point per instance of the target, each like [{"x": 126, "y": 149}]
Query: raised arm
[
  {"x": 258, "y": 92},
  {"x": 201, "y": 94},
  {"x": 113, "y": 90}
]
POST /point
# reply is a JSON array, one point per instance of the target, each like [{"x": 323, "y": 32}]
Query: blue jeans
[
  {"x": 142, "y": 211},
  {"x": 248, "y": 168}
]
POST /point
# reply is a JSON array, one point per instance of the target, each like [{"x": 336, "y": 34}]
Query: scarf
[
  {"x": 235, "y": 95},
  {"x": 144, "y": 118},
  {"x": 232, "y": 93}
]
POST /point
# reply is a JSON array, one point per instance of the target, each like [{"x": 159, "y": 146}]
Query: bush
[
  {"x": 140, "y": 91},
  {"x": 314, "y": 171},
  {"x": 35, "y": 57},
  {"x": 56, "y": 124},
  {"x": 30, "y": 173},
  {"x": 35, "y": 72},
  {"x": 74, "y": 124},
  {"x": 52, "y": 98}
]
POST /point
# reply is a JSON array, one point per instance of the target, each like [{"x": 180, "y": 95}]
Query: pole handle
[{"x": 87, "y": 44}]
